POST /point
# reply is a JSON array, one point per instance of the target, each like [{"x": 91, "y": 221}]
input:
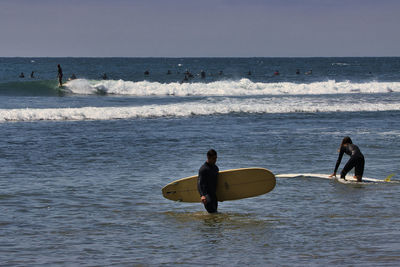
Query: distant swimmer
[
  {"x": 32, "y": 74},
  {"x": 249, "y": 73},
  {"x": 203, "y": 74},
  {"x": 308, "y": 72},
  {"x": 146, "y": 72},
  {"x": 59, "y": 75},
  {"x": 168, "y": 72},
  {"x": 188, "y": 74},
  {"x": 276, "y": 73},
  {"x": 104, "y": 77},
  {"x": 297, "y": 71},
  {"x": 73, "y": 77},
  {"x": 356, "y": 160},
  {"x": 207, "y": 182},
  {"x": 220, "y": 72},
  {"x": 21, "y": 75},
  {"x": 185, "y": 79}
]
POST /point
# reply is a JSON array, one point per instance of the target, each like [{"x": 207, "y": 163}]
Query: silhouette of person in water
[
  {"x": 297, "y": 71},
  {"x": 188, "y": 74},
  {"x": 32, "y": 74},
  {"x": 185, "y": 79},
  {"x": 22, "y": 75},
  {"x": 104, "y": 77},
  {"x": 73, "y": 77},
  {"x": 59, "y": 75}
]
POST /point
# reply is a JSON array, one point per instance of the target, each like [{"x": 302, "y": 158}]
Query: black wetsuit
[
  {"x": 60, "y": 75},
  {"x": 356, "y": 160},
  {"x": 207, "y": 185}
]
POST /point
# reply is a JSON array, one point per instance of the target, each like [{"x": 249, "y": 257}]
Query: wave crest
[{"x": 243, "y": 87}]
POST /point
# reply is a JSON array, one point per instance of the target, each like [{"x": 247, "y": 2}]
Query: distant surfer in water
[
  {"x": 356, "y": 160},
  {"x": 73, "y": 77},
  {"x": 207, "y": 182},
  {"x": 59, "y": 75}
]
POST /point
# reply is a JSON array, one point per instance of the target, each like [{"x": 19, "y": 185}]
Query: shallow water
[{"x": 89, "y": 193}]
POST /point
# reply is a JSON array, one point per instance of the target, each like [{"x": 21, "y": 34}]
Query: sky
[{"x": 199, "y": 28}]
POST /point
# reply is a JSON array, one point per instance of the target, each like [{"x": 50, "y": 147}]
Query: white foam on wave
[
  {"x": 204, "y": 107},
  {"x": 243, "y": 87},
  {"x": 340, "y": 64}
]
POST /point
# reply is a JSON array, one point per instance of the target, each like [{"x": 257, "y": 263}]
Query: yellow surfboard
[{"x": 232, "y": 185}]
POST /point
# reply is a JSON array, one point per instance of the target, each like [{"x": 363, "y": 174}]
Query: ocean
[{"x": 82, "y": 167}]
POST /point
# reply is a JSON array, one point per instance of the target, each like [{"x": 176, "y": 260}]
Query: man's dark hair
[
  {"x": 346, "y": 140},
  {"x": 211, "y": 153}
]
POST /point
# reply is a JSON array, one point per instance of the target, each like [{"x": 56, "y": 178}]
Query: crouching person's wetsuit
[
  {"x": 207, "y": 182},
  {"x": 356, "y": 160}
]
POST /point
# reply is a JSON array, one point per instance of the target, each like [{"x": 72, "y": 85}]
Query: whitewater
[
  {"x": 202, "y": 99},
  {"x": 209, "y": 106},
  {"x": 242, "y": 87}
]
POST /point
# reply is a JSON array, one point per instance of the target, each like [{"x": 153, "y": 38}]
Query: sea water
[{"x": 82, "y": 167}]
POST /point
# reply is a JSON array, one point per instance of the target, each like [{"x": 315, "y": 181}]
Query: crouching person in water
[
  {"x": 207, "y": 182},
  {"x": 356, "y": 160}
]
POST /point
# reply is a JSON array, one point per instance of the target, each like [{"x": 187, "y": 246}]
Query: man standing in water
[
  {"x": 59, "y": 75},
  {"x": 207, "y": 182}
]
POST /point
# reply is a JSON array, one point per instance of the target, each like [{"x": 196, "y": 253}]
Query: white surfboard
[{"x": 349, "y": 178}]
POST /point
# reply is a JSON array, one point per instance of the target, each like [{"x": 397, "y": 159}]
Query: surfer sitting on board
[
  {"x": 356, "y": 160},
  {"x": 207, "y": 182},
  {"x": 59, "y": 75}
]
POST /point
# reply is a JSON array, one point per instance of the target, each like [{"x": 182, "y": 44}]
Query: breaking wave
[
  {"x": 242, "y": 87},
  {"x": 200, "y": 108}
]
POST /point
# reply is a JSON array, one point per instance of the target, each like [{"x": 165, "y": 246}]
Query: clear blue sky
[{"x": 178, "y": 28}]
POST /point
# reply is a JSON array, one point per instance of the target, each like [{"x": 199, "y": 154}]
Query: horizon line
[{"x": 176, "y": 57}]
